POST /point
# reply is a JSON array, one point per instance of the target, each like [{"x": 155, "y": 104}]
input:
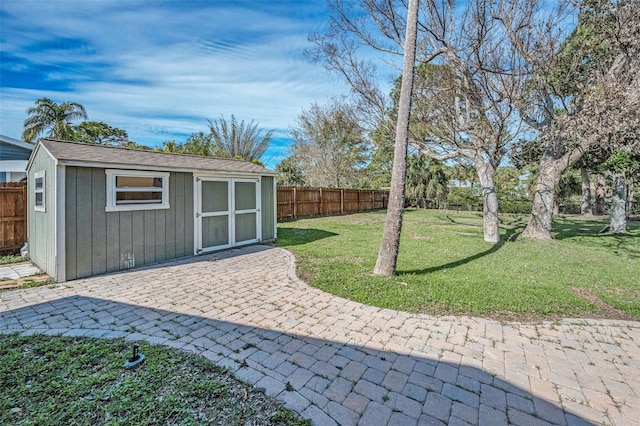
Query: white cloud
[{"x": 157, "y": 69}]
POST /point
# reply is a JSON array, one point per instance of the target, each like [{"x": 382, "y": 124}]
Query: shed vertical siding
[
  {"x": 99, "y": 242},
  {"x": 268, "y": 208},
  {"x": 98, "y": 222},
  {"x": 42, "y": 225},
  {"x": 82, "y": 220},
  {"x": 180, "y": 219},
  {"x": 125, "y": 238},
  {"x": 71, "y": 224},
  {"x": 170, "y": 223},
  {"x": 160, "y": 231}
]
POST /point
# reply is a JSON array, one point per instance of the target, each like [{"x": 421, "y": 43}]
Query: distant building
[{"x": 14, "y": 156}]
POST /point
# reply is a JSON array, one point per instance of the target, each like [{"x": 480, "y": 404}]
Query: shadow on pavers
[{"x": 327, "y": 381}]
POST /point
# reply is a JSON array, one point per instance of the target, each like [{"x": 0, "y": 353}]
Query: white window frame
[
  {"x": 112, "y": 206},
  {"x": 43, "y": 190}
]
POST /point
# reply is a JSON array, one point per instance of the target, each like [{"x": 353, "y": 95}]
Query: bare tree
[
  {"x": 328, "y": 145},
  {"x": 623, "y": 167},
  {"x": 585, "y": 201},
  {"x": 461, "y": 101},
  {"x": 575, "y": 99},
  {"x": 388, "y": 254}
]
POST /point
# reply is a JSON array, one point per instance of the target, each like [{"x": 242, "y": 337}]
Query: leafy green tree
[
  {"x": 463, "y": 196},
  {"x": 463, "y": 173},
  {"x": 289, "y": 173},
  {"x": 171, "y": 146},
  {"x": 56, "y": 119},
  {"x": 377, "y": 173},
  {"x": 233, "y": 139},
  {"x": 426, "y": 179},
  {"x": 508, "y": 183},
  {"x": 569, "y": 185},
  {"x": 99, "y": 133},
  {"x": 198, "y": 143}
]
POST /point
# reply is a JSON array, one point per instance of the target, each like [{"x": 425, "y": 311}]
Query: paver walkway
[
  {"x": 18, "y": 270},
  {"x": 348, "y": 363}
]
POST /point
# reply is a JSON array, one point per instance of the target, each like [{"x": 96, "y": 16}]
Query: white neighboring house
[{"x": 14, "y": 156}]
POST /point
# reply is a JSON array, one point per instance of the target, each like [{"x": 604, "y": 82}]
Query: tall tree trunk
[
  {"x": 601, "y": 191},
  {"x": 491, "y": 223},
  {"x": 631, "y": 194},
  {"x": 539, "y": 226},
  {"x": 585, "y": 202},
  {"x": 618, "y": 213},
  {"x": 388, "y": 254}
]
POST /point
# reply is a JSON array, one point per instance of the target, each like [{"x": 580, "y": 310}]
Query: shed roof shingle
[{"x": 109, "y": 156}]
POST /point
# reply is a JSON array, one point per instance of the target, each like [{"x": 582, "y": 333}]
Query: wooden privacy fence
[
  {"x": 13, "y": 216},
  {"x": 298, "y": 202}
]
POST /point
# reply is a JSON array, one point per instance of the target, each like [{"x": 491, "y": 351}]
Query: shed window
[
  {"x": 137, "y": 190},
  {"x": 39, "y": 191}
]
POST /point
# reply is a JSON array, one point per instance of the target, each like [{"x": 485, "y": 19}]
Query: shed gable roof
[{"x": 107, "y": 156}]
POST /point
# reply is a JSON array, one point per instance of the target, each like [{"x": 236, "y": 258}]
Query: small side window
[{"x": 39, "y": 191}]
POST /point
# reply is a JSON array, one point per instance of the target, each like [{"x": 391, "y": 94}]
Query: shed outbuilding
[{"x": 95, "y": 209}]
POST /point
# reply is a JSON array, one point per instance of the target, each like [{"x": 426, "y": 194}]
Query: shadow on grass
[
  {"x": 509, "y": 235},
  {"x": 288, "y": 237},
  {"x": 318, "y": 378},
  {"x": 589, "y": 233},
  {"x": 450, "y": 219}
]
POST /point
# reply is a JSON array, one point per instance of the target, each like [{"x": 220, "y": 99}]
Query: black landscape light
[{"x": 136, "y": 359}]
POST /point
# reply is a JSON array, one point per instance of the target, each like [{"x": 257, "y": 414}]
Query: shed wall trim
[
  {"x": 161, "y": 169},
  {"x": 61, "y": 259},
  {"x": 275, "y": 213}
]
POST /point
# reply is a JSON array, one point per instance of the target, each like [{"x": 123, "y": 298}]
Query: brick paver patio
[{"x": 347, "y": 363}]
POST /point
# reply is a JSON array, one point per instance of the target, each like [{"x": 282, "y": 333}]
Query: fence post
[
  {"x": 320, "y": 206},
  {"x": 294, "y": 202},
  {"x": 341, "y": 201}
]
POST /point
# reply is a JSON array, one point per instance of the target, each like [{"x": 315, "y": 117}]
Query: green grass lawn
[
  {"x": 81, "y": 381},
  {"x": 445, "y": 267}
]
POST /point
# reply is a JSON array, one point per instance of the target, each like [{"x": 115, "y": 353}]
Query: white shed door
[{"x": 227, "y": 213}]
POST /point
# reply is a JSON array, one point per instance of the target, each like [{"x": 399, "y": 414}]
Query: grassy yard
[
  {"x": 445, "y": 267},
  {"x": 81, "y": 381}
]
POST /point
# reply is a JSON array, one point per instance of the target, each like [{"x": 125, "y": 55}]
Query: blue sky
[{"x": 159, "y": 69}]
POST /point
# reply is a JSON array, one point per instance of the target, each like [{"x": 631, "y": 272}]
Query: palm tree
[
  {"x": 55, "y": 118},
  {"x": 426, "y": 179},
  {"x": 237, "y": 140},
  {"x": 388, "y": 254}
]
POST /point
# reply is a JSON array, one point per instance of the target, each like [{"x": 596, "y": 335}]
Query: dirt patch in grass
[
  {"x": 607, "y": 311},
  {"x": 416, "y": 236},
  {"x": 468, "y": 234},
  {"x": 354, "y": 260},
  {"x": 26, "y": 282}
]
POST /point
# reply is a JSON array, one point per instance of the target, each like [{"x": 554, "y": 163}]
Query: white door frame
[
  {"x": 231, "y": 212},
  {"x": 255, "y": 210}
]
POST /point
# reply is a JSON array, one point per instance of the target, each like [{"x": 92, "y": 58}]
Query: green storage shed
[{"x": 95, "y": 209}]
